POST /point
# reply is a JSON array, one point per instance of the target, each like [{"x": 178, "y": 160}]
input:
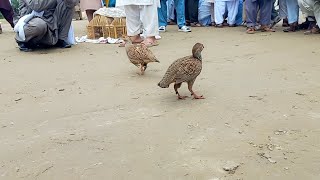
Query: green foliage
[{"x": 15, "y": 6}]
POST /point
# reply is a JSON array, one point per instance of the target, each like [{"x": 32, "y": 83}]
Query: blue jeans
[
  {"x": 239, "y": 18},
  {"x": 292, "y": 10},
  {"x": 180, "y": 9}
]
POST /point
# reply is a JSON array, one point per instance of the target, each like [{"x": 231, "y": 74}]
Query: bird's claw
[
  {"x": 182, "y": 97},
  {"x": 198, "y": 97}
]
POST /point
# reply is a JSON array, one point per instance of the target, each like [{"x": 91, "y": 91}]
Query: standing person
[
  {"x": 7, "y": 12},
  {"x": 141, "y": 14},
  {"x": 205, "y": 13},
  {"x": 275, "y": 18},
  {"x": 181, "y": 18},
  {"x": 191, "y": 10},
  {"x": 252, "y": 7},
  {"x": 312, "y": 9},
  {"x": 220, "y": 7},
  {"x": 293, "y": 15},
  {"x": 239, "y": 17},
  {"x": 90, "y": 6},
  {"x": 283, "y": 13}
]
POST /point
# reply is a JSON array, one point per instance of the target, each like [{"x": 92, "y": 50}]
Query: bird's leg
[
  {"x": 145, "y": 67},
  {"x": 194, "y": 94},
  {"x": 176, "y": 86},
  {"x": 141, "y": 69}
]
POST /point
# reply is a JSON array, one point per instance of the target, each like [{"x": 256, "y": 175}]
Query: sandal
[
  {"x": 250, "y": 30},
  {"x": 313, "y": 30},
  {"x": 195, "y": 24},
  {"x": 266, "y": 29}
]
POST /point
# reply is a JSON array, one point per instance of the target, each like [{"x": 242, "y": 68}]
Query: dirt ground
[{"x": 84, "y": 113}]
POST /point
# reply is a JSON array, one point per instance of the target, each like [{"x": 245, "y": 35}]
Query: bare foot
[{"x": 150, "y": 41}]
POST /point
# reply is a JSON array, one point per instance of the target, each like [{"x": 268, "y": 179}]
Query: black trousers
[
  {"x": 8, "y": 15},
  {"x": 191, "y": 7}
]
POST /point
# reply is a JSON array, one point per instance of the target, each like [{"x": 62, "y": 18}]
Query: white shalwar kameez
[
  {"x": 220, "y": 7},
  {"x": 141, "y": 14}
]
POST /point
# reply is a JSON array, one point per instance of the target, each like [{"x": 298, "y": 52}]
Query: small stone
[
  {"x": 12, "y": 123},
  {"x": 286, "y": 168},
  {"x": 272, "y": 161},
  {"x": 270, "y": 147},
  {"x": 280, "y": 132},
  {"x": 285, "y": 158},
  {"x": 156, "y": 115},
  {"x": 61, "y": 89},
  {"x": 19, "y": 99},
  {"x": 231, "y": 167},
  {"x": 17, "y": 169}
]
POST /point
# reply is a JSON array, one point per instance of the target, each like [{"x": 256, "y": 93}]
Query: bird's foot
[
  {"x": 182, "y": 97},
  {"x": 198, "y": 97}
]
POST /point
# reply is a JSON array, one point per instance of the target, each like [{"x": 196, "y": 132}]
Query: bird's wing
[
  {"x": 188, "y": 70},
  {"x": 146, "y": 54}
]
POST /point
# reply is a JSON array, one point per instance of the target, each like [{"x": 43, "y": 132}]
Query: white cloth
[
  {"x": 18, "y": 28},
  {"x": 137, "y": 2},
  {"x": 220, "y": 7},
  {"x": 110, "y": 12},
  {"x": 205, "y": 13},
  {"x": 139, "y": 16}
]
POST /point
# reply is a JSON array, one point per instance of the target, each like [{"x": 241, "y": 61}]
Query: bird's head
[
  {"x": 127, "y": 40},
  {"x": 196, "y": 50}
]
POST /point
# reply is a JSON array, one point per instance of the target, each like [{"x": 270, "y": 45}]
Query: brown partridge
[
  {"x": 139, "y": 55},
  {"x": 185, "y": 69}
]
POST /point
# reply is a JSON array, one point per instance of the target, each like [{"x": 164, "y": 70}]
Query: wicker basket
[{"x": 101, "y": 26}]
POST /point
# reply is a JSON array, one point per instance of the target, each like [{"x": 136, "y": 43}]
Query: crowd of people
[
  {"x": 256, "y": 15},
  {"x": 48, "y": 22}
]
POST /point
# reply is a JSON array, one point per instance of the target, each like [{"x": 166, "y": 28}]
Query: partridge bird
[
  {"x": 185, "y": 69},
  {"x": 139, "y": 55}
]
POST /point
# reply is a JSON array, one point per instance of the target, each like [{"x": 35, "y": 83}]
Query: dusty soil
[{"x": 84, "y": 113}]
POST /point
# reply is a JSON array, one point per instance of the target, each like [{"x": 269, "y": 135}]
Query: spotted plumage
[
  {"x": 185, "y": 69},
  {"x": 139, "y": 55}
]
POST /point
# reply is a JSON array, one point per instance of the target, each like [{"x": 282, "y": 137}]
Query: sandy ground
[{"x": 84, "y": 113}]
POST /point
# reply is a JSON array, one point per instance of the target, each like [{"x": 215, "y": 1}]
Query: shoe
[
  {"x": 23, "y": 47},
  {"x": 0, "y": 29},
  {"x": 232, "y": 25},
  {"x": 285, "y": 23},
  {"x": 162, "y": 29},
  {"x": 293, "y": 27},
  {"x": 63, "y": 44},
  {"x": 184, "y": 29},
  {"x": 219, "y": 25}
]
